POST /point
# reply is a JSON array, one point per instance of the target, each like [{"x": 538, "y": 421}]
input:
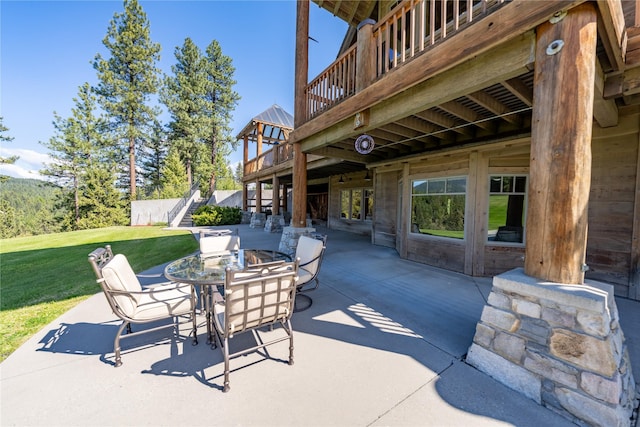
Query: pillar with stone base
[
  {"x": 290, "y": 236},
  {"x": 560, "y": 345}
]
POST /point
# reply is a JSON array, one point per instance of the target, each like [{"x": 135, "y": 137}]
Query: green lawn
[{"x": 43, "y": 276}]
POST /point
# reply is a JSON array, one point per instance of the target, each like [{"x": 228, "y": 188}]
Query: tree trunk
[{"x": 132, "y": 167}]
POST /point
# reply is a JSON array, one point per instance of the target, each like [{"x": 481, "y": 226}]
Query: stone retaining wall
[{"x": 560, "y": 345}]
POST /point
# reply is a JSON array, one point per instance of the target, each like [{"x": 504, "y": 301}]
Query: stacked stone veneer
[
  {"x": 258, "y": 220},
  {"x": 274, "y": 223},
  {"x": 290, "y": 236},
  {"x": 246, "y": 217},
  {"x": 560, "y": 345}
]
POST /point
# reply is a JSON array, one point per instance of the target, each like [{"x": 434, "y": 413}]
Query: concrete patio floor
[{"x": 383, "y": 344}]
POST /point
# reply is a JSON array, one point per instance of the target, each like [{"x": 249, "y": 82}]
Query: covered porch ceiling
[{"x": 501, "y": 110}]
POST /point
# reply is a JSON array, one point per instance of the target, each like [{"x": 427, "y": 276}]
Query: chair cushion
[
  {"x": 118, "y": 276},
  {"x": 308, "y": 249},
  {"x": 161, "y": 301},
  {"x": 304, "y": 276},
  {"x": 219, "y": 244}
]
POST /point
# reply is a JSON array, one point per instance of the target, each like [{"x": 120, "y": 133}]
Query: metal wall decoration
[{"x": 364, "y": 144}]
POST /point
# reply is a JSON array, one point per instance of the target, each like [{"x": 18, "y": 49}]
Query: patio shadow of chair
[
  {"x": 93, "y": 339},
  {"x": 194, "y": 361}
]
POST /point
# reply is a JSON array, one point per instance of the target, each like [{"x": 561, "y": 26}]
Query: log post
[
  {"x": 299, "y": 215},
  {"x": 365, "y": 55},
  {"x": 560, "y": 166},
  {"x": 275, "y": 195},
  {"x": 259, "y": 142},
  {"x": 258, "y": 196}
]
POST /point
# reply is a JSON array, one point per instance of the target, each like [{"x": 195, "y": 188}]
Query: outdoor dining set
[{"x": 235, "y": 289}]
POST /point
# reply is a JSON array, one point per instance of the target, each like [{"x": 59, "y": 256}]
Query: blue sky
[{"x": 47, "y": 48}]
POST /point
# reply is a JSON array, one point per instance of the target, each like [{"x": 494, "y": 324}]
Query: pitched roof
[{"x": 277, "y": 124}]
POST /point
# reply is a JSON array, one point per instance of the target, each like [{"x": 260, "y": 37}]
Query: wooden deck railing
[
  {"x": 277, "y": 155},
  {"x": 336, "y": 82},
  {"x": 415, "y": 25},
  {"x": 408, "y": 30}
]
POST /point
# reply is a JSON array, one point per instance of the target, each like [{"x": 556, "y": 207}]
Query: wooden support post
[
  {"x": 258, "y": 196},
  {"x": 245, "y": 151},
  {"x": 259, "y": 141},
  {"x": 560, "y": 167},
  {"x": 299, "y": 215},
  {"x": 365, "y": 55},
  {"x": 275, "y": 195},
  {"x": 245, "y": 196}
]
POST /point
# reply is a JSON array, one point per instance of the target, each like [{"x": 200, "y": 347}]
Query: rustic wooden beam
[
  {"x": 466, "y": 114},
  {"x": 605, "y": 111},
  {"x": 520, "y": 90},
  {"x": 275, "y": 195},
  {"x": 484, "y": 35},
  {"x": 613, "y": 32},
  {"x": 299, "y": 214},
  {"x": 560, "y": 165},
  {"x": 496, "y": 107},
  {"x": 445, "y": 122}
]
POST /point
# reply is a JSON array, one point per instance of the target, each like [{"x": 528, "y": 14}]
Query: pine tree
[
  {"x": 128, "y": 79},
  {"x": 153, "y": 157},
  {"x": 174, "y": 176},
  {"x": 79, "y": 154},
  {"x": 5, "y": 138},
  {"x": 221, "y": 101},
  {"x": 183, "y": 95}
]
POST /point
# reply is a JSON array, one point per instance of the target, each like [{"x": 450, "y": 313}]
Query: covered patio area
[{"x": 384, "y": 343}]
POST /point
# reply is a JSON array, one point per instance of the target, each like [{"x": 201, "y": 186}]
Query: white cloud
[{"x": 28, "y": 165}]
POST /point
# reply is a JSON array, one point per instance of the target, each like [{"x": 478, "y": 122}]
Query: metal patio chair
[
  {"x": 132, "y": 304},
  {"x": 215, "y": 242},
  {"x": 310, "y": 252},
  {"x": 253, "y": 299}
]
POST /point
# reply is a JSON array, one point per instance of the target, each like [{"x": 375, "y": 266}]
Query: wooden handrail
[{"x": 409, "y": 29}]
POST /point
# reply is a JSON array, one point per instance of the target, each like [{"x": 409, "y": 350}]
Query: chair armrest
[{"x": 217, "y": 298}]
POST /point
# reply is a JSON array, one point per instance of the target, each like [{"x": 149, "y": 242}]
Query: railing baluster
[
  {"x": 423, "y": 23},
  {"x": 432, "y": 21}
]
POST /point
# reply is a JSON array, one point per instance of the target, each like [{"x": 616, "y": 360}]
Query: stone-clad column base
[
  {"x": 290, "y": 236},
  {"x": 560, "y": 345}
]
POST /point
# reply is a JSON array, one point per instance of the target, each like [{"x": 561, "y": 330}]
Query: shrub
[{"x": 216, "y": 215}]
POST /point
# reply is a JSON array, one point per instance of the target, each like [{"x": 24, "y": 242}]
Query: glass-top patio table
[{"x": 210, "y": 271}]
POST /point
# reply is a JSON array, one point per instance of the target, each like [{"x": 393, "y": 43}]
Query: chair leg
[
  {"x": 195, "y": 327},
  {"x": 290, "y": 332},
  {"x": 116, "y": 342},
  {"x": 226, "y": 365}
]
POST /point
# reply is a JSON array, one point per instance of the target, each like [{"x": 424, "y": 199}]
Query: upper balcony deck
[{"x": 408, "y": 30}]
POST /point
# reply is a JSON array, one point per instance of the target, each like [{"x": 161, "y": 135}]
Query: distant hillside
[{"x": 27, "y": 207}]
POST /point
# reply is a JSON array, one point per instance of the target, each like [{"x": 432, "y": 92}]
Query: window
[
  {"x": 356, "y": 204},
  {"x": 507, "y": 195},
  {"x": 438, "y": 205}
]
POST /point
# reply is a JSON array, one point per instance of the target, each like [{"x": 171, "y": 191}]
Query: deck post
[
  {"x": 258, "y": 196},
  {"x": 365, "y": 55},
  {"x": 259, "y": 143},
  {"x": 560, "y": 164},
  {"x": 275, "y": 195},
  {"x": 299, "y": 215}
]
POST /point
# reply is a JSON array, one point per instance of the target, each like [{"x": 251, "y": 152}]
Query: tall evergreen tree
[
  {"x": 77, "y": 148},
  {"x": 183, "y": 95},
  {"x": 5, "y": 138},
  {"x": 221, "y": 100},
  {"x": 174, "y": 176},
  {"x": 128, "y": 78},
  {"x": 153, "y": 157}
]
